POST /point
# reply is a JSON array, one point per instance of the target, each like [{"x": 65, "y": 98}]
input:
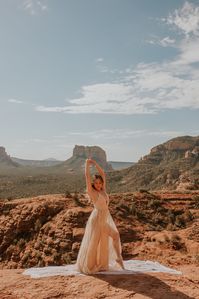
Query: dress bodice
[{"x": 102, "y": 202}]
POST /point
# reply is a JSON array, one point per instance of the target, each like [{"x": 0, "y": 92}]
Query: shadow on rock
[{"x": 145, "y": 284}]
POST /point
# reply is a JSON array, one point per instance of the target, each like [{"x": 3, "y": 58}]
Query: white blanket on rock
[{"x": 131, "y": 267}]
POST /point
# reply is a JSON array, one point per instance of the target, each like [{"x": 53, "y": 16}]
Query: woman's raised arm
[{"x": 88, "y": 176}]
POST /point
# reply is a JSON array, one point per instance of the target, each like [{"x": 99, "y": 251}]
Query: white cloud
[
  {"x": 34, "y": 7},
  {"x": 115, "y": 98},
  {"x": 185, "y": 19},
  {"x": 149, "y": 88},
  {"x": 189, "y": 51},
  {"x": 15, "y": 101}
]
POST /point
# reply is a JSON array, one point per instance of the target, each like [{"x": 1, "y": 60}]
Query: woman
[{"x": 100, "y": 248}]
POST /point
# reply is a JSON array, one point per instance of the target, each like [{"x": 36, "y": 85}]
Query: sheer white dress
[{"x": 97, "y": 251}]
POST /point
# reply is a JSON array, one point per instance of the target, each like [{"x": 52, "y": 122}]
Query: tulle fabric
[{"x": 97, "y": 252}]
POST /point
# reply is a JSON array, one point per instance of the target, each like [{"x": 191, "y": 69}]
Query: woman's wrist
[{"x": 89, "y": 161}]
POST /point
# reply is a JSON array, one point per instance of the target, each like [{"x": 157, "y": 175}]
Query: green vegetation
[
  {"x": 154, "y": 212},
  {"x": 24, "y": 183}
]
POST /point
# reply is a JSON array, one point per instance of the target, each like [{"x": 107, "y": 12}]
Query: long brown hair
[{"x": 95, "y": 177}]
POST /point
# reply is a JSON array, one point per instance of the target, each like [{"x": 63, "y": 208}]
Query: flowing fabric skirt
[{"x": 97, "y": 251}]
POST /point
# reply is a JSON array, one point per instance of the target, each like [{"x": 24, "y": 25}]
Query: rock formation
[
  {"x": 179, "y": 147},
  {"x": 169, "y": 166},
  {"x": 5, "y": 159},
  {"x": 81, "y": 153}
]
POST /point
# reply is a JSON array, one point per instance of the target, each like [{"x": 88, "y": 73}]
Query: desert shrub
[
  {"x": 157, "y": 218},
  {"x": 171, "y": 227},
  {"x": 154, "y": 203},
  {"x": 140, "y": 215},
  {"x": 56, "y": 256},
  {"x": 41, "y": 263},
  {"x": 5, "y": 212},
  {"x": 161, "y": 209},
  {"x": 38, "y": 254},
  {"x": 26, "y": 256},
  {"x": 176, "y": 242},
  {"x": 151, "y": 227},
  {"x": 166, "y": 238},
  {"x": 21, "y": 243},
  {"x": 188, "y": 216},
  {"x": 143, "y": 190},
  {"x": 38, "y": 225},
  {"x": 118, "y": 177},
  {"x": 67, "y": 194},
  {"x": 196, "y": 258},
  {"x": 10, "y": 250},
  {"x": 171, "y": 217},
  {"x": 180, "y": 221},
  {"x": 133, "y": 209},
  {"x": 158, "y": 228},
  {"x": 122, "y": 209},
  {"x": 37, "y": 245},
  {"x": 66, "y": 258},
  {"x": 10, "y": 197},
  {"x": 47, "y": 251},
  {"x": 77, "y": 200},
  {"x": 196, "y": 201},
  {"x": 47, "y": 227}
]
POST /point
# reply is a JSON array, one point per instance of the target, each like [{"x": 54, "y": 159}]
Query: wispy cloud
[
  {"x": 35, "y": 7},
  {"x": 100, "y": 59},
  {"x": 15, "y": 101},
  {"x": 148, "y": 88},
  {"x": 164, "y": 42},
  {"x": 120, "y": 134}
]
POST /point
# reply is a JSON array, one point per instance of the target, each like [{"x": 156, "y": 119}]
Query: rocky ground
[
  {"x": 157, "y": 286},
  {"x": 47, "y": 230}
]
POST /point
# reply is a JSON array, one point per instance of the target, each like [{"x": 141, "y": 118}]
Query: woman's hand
[{"x": 90, "y": 161}]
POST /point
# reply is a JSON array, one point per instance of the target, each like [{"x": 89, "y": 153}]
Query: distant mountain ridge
[
  {"x": 80, "y": 153},
  {"x": 36, "y": 163},
  {"x": 51, "y": 162},
  {"x": 172, "y": 165},
  {"x": 120, "y": 165}
]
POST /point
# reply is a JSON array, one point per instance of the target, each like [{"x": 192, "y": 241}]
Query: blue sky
[{"x": 120, "y": 74}]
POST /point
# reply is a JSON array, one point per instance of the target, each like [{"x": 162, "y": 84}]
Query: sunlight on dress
[{"x": 97, "y": 251}]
